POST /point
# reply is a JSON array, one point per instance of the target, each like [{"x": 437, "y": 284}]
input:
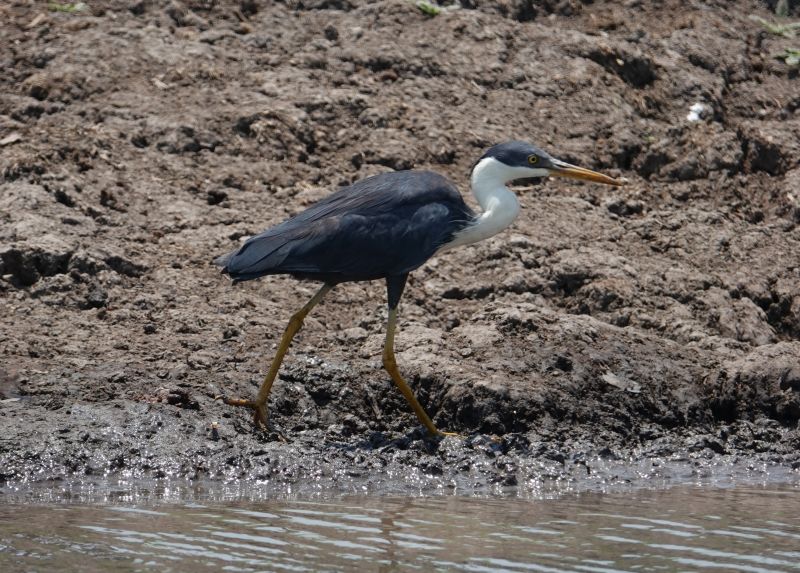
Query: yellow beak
[{"x": 563, "y": 169}]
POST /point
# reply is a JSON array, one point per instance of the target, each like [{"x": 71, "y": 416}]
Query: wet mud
[{"x": 610, "y": 332}]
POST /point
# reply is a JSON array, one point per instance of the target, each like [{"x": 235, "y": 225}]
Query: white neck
[{"x": 499, "y": 203}]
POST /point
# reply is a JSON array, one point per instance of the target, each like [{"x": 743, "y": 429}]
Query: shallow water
[{"x": 749, "y": 529}]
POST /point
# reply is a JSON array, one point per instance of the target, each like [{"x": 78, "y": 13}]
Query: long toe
[
  {"x": 237, "y": 402},
  {"x": 442, "y": 434}
]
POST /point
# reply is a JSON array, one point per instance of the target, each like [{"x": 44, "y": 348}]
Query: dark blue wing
[{"x": 384, "y": 225}]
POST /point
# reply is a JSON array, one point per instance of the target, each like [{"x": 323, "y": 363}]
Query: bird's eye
[{"x": 533, "y": 159}]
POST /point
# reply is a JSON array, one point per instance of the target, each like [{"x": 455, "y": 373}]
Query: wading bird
[{"x": 384, "y": 227}]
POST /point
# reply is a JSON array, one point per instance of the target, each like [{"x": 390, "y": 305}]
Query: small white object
[
  {"x": 11, "y": 138},
  {"x": 622, "y": 383},
  {"x": 697, "y": 112}
]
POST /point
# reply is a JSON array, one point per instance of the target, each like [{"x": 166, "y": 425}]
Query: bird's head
[{"x": 519, "y": 160}]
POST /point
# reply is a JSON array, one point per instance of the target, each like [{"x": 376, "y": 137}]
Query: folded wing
[{"x": 385, "y": 225}]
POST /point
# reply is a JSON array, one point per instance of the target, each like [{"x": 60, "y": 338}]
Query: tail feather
[
  {"x": 258, "y": 256},
  {"x": 223, "y": 261}
]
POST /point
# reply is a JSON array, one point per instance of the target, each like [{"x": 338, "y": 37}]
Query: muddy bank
[{"x": 631, "y": 327}]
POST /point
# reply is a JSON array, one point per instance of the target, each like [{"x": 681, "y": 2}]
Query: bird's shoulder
[
  {"x": 385, "y": 192},
  {"x": 408, "y": 186}
]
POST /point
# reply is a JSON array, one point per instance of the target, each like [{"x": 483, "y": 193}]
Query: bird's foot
[
  {"x": 260, "y": 414},
  {"x": 441, "y": 434}
]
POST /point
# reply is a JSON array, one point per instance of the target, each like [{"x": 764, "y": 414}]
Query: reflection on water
[{"x": 682, "y": 529}]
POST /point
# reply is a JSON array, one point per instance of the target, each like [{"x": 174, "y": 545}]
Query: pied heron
[{"x": 384, "y": 227}]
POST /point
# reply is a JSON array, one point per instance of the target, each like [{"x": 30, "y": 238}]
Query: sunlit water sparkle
[{"x": 749, "y": 529}]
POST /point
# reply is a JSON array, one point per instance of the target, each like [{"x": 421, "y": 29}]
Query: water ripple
[{"x": 695, "y": 529}]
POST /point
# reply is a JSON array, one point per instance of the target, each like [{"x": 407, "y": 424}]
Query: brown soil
[{"x": 658, "y": 321}]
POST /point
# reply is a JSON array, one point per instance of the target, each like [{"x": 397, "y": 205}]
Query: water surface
[{"x": 748, "y": 529}]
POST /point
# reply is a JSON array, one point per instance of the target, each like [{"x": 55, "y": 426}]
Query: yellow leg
[
  {"x": 390, "y": 364},
  {"x": 295, "y": 324}
]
